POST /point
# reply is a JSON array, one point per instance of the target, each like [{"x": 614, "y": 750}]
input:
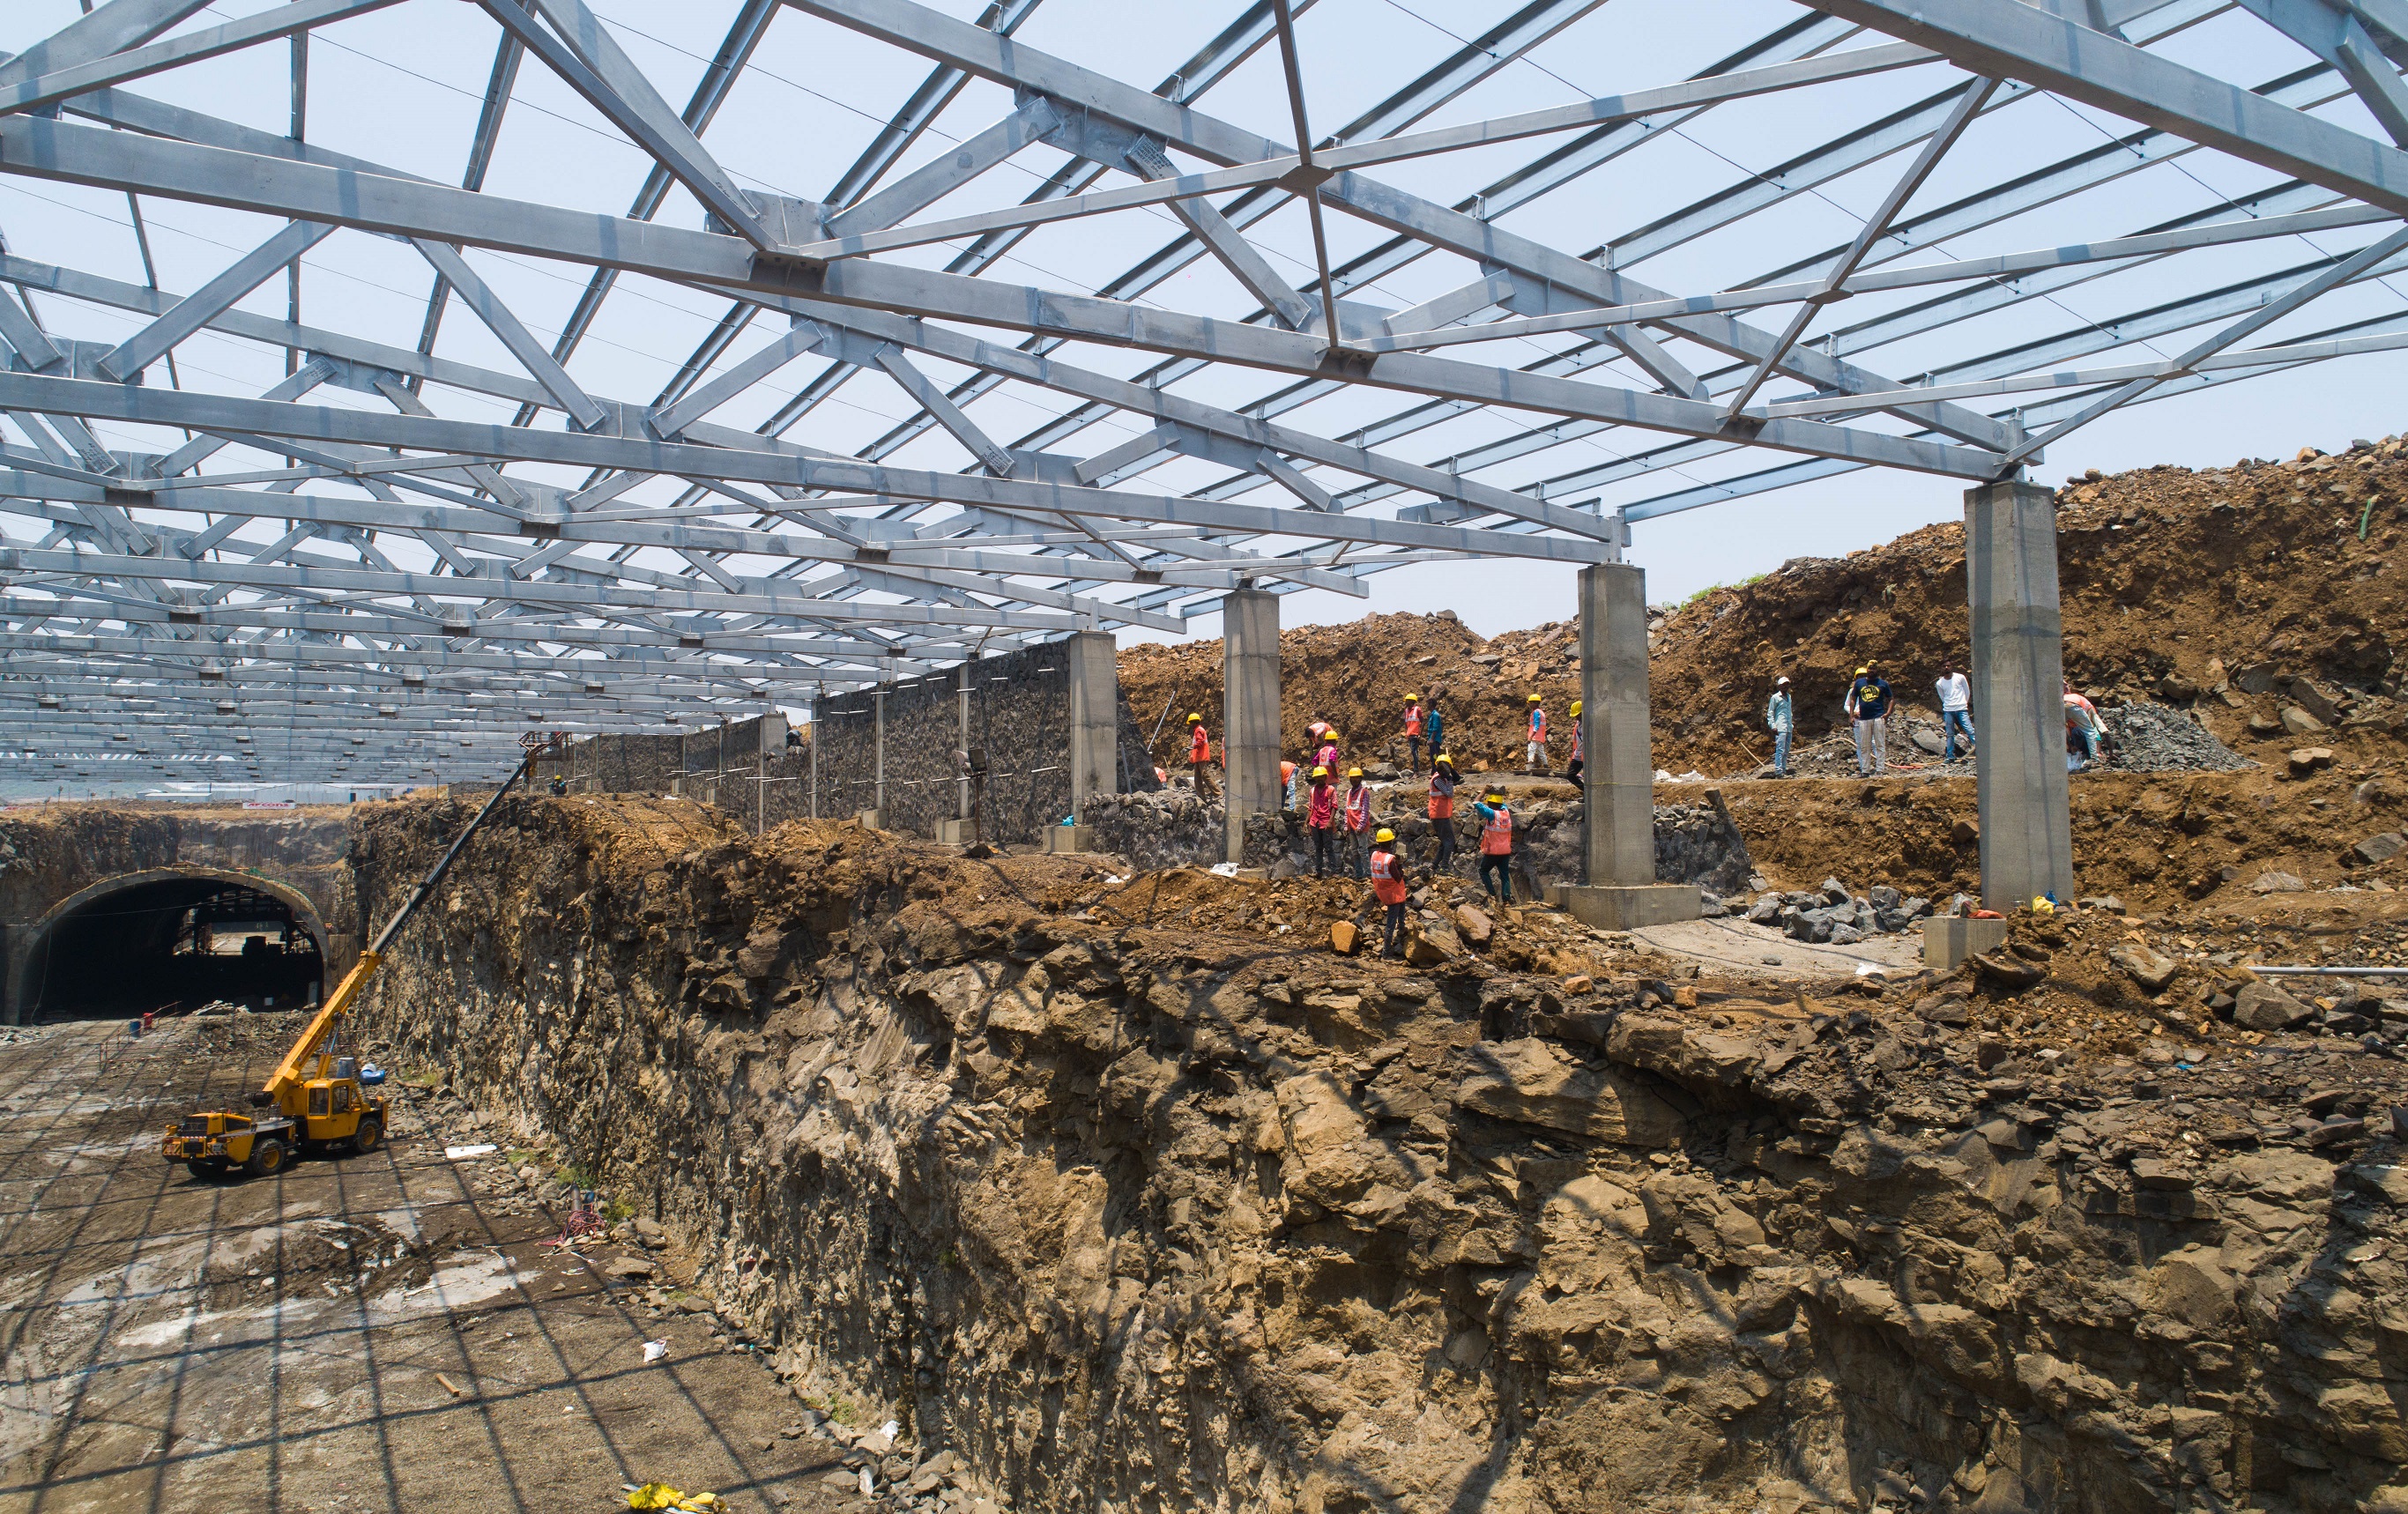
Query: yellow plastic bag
[
  {"x": 2043, "y": 904},
  {"x": 661, "y": 1495}
]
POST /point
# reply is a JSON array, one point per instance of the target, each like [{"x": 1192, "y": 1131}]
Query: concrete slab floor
[
  {"x": 1730, "y": 945},
  {"x": 283, "y": 1344}
]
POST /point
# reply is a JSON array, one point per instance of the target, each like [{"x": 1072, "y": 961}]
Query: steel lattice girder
[{"x": 178, "y": 548}]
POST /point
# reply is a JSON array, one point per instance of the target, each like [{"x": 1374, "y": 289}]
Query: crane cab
[{"x": 335, "y": 1108}]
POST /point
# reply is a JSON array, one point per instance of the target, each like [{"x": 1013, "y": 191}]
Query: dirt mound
[
  {"x": 2240, "y": 592},
  {"x": 2151, "y": 738},
  {"x": 1356, "y": 676}
]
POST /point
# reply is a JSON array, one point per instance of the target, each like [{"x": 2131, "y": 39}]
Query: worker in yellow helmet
[
  {"x": 1414, "y": 731},
  {"x": 1579, "y": 749},
  {"x": 1359, "y": 823},
  {"x": 1537, "y": 753},
  {"x": 1321, "y": 821},
  {"x": 1388, "y": 885},
  {"x": 1200, "y": 753}
]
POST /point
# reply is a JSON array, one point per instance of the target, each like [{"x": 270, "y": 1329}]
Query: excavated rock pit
[{"x": 1132, "y": 1214}]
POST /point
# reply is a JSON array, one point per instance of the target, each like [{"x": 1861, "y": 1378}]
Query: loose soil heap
[
  {"x": 1133, "y": 1196},
  {"x": 2244, "y": 593}
]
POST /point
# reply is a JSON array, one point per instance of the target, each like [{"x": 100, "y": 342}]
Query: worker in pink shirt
[
  {"x": 1414, "y": 731},
  {"x": 1321, "y": 820}
]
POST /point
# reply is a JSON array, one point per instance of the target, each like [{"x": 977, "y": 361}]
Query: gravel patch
[{"x": 2155, "y": 738}]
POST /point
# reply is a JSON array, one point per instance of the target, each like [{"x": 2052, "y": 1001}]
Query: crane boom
[{"x": 293, "y": 1070}]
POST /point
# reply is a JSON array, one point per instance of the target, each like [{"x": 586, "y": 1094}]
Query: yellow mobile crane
[{"x": 314, "y": 1099}]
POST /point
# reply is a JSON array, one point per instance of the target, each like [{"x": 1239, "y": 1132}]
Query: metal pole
[
  {"x": 818, "y": 700},
  {"x": 878, "y": 794},
  {"x": 962, "y": 727}
]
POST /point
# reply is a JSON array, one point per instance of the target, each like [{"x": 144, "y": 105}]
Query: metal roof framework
[{"x": 352, "y": 565}]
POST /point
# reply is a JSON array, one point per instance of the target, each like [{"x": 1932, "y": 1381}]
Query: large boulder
[
  {"x": 2262, "y": 1006},
  {"x": 1532, "y": 1083}
]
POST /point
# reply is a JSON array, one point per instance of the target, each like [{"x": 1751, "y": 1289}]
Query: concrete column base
[
  {"x": 1626, "y": 907},
  {"x": 1070, "y": 838},
  {"x": 955, "y": 833},
  {"x": 1951, "y": 939},
  {"x": 868, "y": 819}
]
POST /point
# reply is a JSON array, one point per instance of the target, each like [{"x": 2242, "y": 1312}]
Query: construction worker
[
  {"x": 1320, "y": 819},
  {"x": 1200, "y": 753},
  {"x": 1955, "y": 711},
  {"x": 1358, "y": 821},
  {"x": 1495, "y": 845},
  {"x": 1537, "y": 753},
  {"x": 1434, "y": 729},
  {"x": 1868, "y": 707},
  {"x": 1327, "y": 755},
  {"x": 1579, "y": 749},
  {"x": 1388, "y": 885},
  {"x": 1442, "y": 808},
  {"x": 1780, "y": 720},
  {"x": 1414, "y": 731},
  {"x": 2085, "y": 732},
  {"x": 1287, "y": 785}
]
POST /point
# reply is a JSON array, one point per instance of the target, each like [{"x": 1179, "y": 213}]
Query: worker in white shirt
[{"x": 1955, "y": 711}]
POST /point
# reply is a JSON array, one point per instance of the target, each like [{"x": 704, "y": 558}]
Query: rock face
[{"x": 1134, "y": 1219}]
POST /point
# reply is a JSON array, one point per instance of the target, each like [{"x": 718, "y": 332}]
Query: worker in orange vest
[
  {"x": 1537, "y": 753},
  {"x": 1495, "y": 844},
  {"x": 1287, "y": 785},
  {"x": 1388, "y": 884},
  {"x": 1359, "y": 823},
  {"x": 1442, "y": 808},
  {"x": 1414, "y": 731},
  {"x": 1200, "y": 753}
]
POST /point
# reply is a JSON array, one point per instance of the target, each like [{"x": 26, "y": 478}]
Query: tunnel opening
[{"x": 174, "y": 944}]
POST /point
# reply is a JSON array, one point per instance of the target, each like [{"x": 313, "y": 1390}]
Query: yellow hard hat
[
  {"x": 1321, "y": 772},
  {"x": 1443, "y": 757},
  {"x": 1534, "y": 699},
  {"x": 1862, "y": 671},
  {"x": 1494, "y": 794},
  {"x": 1384, "y": 835},
  {"x": 1576, "y": 707},
  {"x": 1413, "y": 699},
  {"x": 1353, "y": 772},
  {"x": 1330, "y": 736},
  {"x": 1193, "y": 719}
]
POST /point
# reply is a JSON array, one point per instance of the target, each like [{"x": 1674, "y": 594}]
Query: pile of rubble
[
  {"x": 1167, "y": 828},
  {"x": 2155, "y": 738},
  {"x": 1831, "y": 914}
]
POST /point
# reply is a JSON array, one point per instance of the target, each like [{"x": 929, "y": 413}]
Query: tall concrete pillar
[
  {"x": 1250, "y": 709},
  {"x": 1095, "y": 716},
  {"x": 2018, "y": 694},
  {"x": 1620, "y": 891}
]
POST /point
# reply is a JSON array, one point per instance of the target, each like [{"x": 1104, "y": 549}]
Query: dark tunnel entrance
[{"x": 173, "y": 944}]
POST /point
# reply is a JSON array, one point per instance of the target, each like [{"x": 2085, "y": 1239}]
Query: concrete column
[
  {"x": 1095, "y": 716},
  {"x": 2018, "y": 694},
  {"x": 878, "y": 738},
  {"x": 1250, "y": 709},
  {"x": 818, "y": 700},
  {"x": 962, "y": 739},
  {"x": 1620, "y": 891}
]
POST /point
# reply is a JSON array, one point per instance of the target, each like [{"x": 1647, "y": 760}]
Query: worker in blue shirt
[
  {"x": 1434, "y": 730},
  {"x": 1869, "y": 709}
]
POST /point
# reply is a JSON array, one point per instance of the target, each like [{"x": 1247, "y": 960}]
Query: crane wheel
[
  {"x": 370, "y": 1135},
  {"x": 267, "y": 1157}
]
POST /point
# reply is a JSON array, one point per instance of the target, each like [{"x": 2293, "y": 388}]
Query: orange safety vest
[
  {"x": 1413, "y": 720},
  {"x": 1497, "y": 834},
  {"x": 1442, "y": 805},
  {"x": 1386, "y": 879},
  {"x": 1199, "y": 746}
]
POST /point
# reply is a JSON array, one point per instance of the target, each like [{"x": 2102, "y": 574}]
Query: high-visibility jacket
[
  {"x": 1496, "y": 831},
  {"x": 1326, "y": 757},
  {"x": 1441, "y": 795},
  {"x": 1580, "y": 734},
  {"x": 1387, "y": 877},
  {"x": 1538, "y": 725},
  {"x": 1199, "y": 746},
  {"x": 1413, "y": 720},
  {"x": 1358, "y": 806},
  {"x": 1321, "y": 810}
]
